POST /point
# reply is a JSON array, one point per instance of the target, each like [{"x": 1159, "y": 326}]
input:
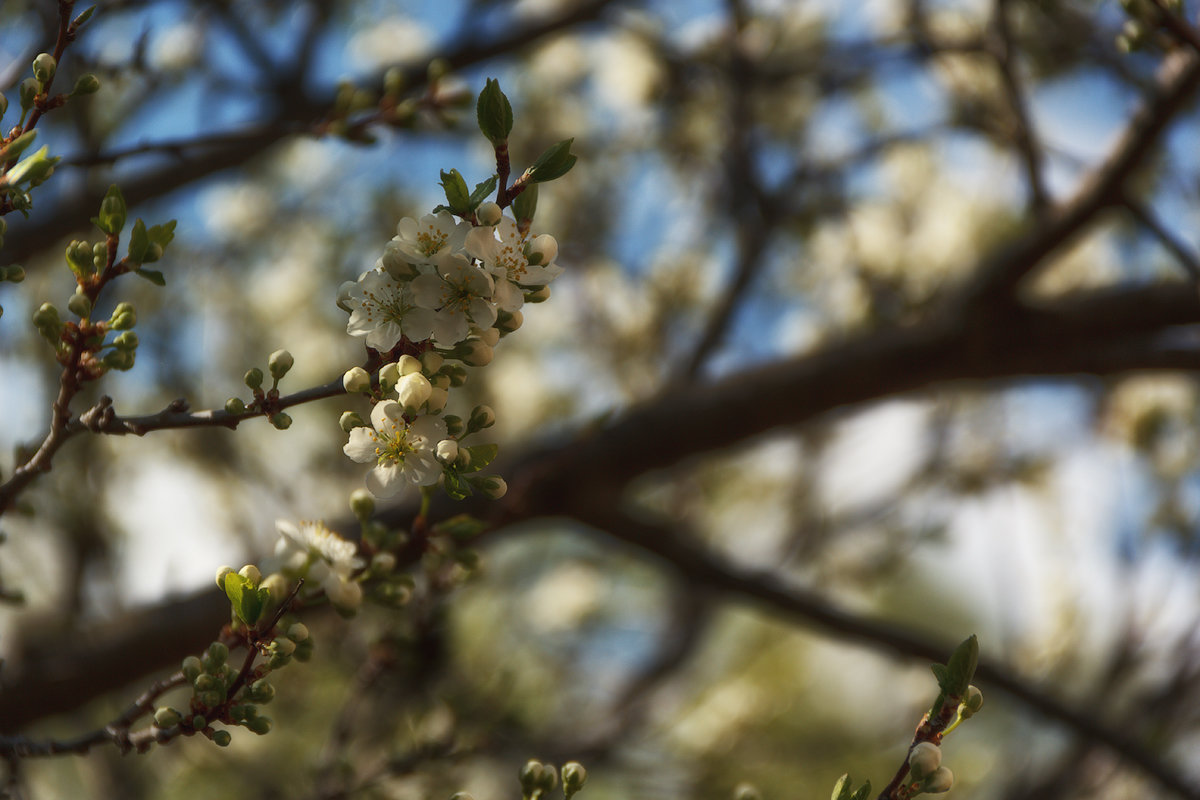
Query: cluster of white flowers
[{"x": 443, "y": 291}]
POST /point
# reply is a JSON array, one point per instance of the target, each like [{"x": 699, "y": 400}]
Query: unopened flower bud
[
  {"x": 252, "y": 574},
  {"x": 543, "y": 249},
  {"x": 253, "y": 378},
  {"x": 297, "y": 632},
  {"x": 30, "y": 87},
  {"x": 972, "y": 702},
  {"x": 14, "y": 273},
  {"x": 356, "y": 380},
  {"x": 940, "y": 781},
  {"x": 574, "y": 776},
  {"x": 278, "y": 586},
  {"x": 43, "y": 67},
  {"x": 490, "y": 337},
  {"x": 216, "y": 656},
  {"x": 79, "y": 257},
  {"x": 284, "y": 645},
  {"x": 235, "y": 405},
  {"x": 389, "y": 374},
  {"x": 475, "y": 353},
  {"x": 80, "y": 305},
  {"x": 493, "y": 487},
  {"x": 540, "y": 295},
  {"x": 413, "y": 390},
  {"x": 447, "y": 451},
  {"x": 508, "y": 322},
  {"x": 454, "y": 424},
  {"x": 118, "y": 359},
  {"x": 221, "y": 573},
  {"x": 530, "y": 776},
  {"x": 346, "y": 596},
  {"x": 351, "y": 420},
  {"x": 549, "y": 779},
  {"x": 281, "y": 421},
  {"x": 481, "y": 417},
  {"x": 86, "y": 84},
  {"x": 437, "y": 400},
  {"x": 222, "y": 738},
  {"x": 167, "y": 717},
  {"x": 488, "y": 213},
  {"x": 46, "y": 317},
  {"x": 126, "y": 340},
  {"x": 746, "y": 791},
  {"x": 362, "y": 503},
  {"x": 279, "y": 363},
  {"x": 259, "y": 725},
  {"x": 431, "y": 361},
  {"x": 924, "y": 759},
  {"x": 123, "y": 317},
  {"x": 383, "y": 563},
  {"x": 192, "y": 667}
]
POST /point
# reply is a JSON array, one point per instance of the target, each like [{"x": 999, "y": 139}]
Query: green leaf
[
  {"x": 494, "y": 113},
  {"x": 863, "y": 792},
  {"x": 482, "y": 190},
  {"x": 961, "y": 667},
  {"x": 481, "y": 456},
  {"x": 525, "y": 204},
  {"x": 555, "y": 162},
  {"x": 161, "y": 235},
  {"x": 152, "y": 275},
  {"x": 139, "y": 242},
  {"x": 248, "y": 601},
  {"x": 461, "y": 527},
  {"x": 16, "y": 147},
  {"x": 841, "y": 789},
  {"x": 455, "y": 487},
  {"x": 456, "y": 192}
]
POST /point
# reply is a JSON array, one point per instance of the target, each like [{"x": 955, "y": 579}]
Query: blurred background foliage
[{"x": 756, "y": 181}]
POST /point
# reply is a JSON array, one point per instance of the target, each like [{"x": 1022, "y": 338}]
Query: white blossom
[
  {"x": 502, "y": 251},
  {"x": 382, "y": 311},
  {"x": 460, "y": 295},
  {"x": 312, "y": 544},
  {"x": 402, "y": 451},
  {"x": 423, "y": 242}
]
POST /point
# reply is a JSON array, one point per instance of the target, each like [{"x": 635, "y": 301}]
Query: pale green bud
[
  {"x": 253, "y": 378},
  {"x": 408, "y": 365},
  {"x": 924, "y": 759},
  {"x": 362, "y": 503},
  {"x": 940, "y": 781},
  {"x": 222, "y": 738},
  {"x": 746, "y": 791},
  {"x": 509, "y": 322},
  {"x": 79, "y": 257},
  {"x": 284, "y": 645},
  {"x": 118, "y": 359},
  {"x": 86, "y": 84},
  {"x": 167, "y": 717},
  {"x": 481, "y": 417},
  {"x": 389, "y": 374},
  {"x": 488, "y": 213},
  {"x": 549, "y": 779},
  {"x": 574, "y": 776},
  {"x": 346, "y": 596},
  {"x": 437, "y": 400},
  {"x": 972, "y": 702},
  {"x": 454, "y": 425},
  {"x": 349, "y": 420},
  {"x": 259, "y": 725},
  {"x": 530, "y": 776},
  {"x": 123, "y": 317},
  {"x": 457, "y": 374},
  {"x": 431, "y": 362},
  {"x": 279, "y": 363},
  {"x": 252, "y": 574},
  {"x": 282, "y": 421},
  {"x": 192, "y": 667},
  {"x": 235, "y": 405},
  {"x": 356, "y": 380},
  {"x": 382, "y": 563},
  {"x": 221, "y": 573},
  {"x": 46, "y": 317},
  {"x": 278, "y": 586},
  {"x": 30, "y": 88},
  {"x": 476, "y": 353},
  {"x": 43, "y": 67},
  {"x": 297, "y": 632},
  {"x": 542, "y": 250},
  {"x": 80, "y": 305},
  {"x": 540, "y": 295},
  {"x": 493, "y": 487},
  {"x": 14, "y": 273},
  {"x": 126, "y": 340}
]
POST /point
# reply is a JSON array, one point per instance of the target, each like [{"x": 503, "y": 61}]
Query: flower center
[{"x": 431, "y": 241}]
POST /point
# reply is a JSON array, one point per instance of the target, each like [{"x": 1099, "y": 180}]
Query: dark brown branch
[
  {"x": 1027, "y": 145},
  {"x": 1185, "y": 257}
]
